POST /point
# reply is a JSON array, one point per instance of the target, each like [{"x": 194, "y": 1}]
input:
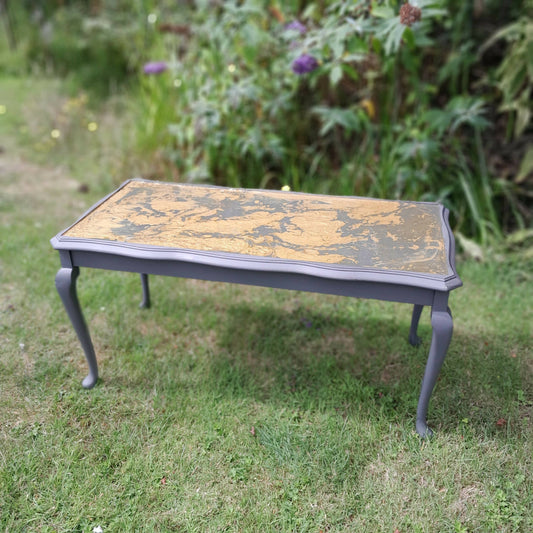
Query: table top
[{"x": 364, "y": 233}]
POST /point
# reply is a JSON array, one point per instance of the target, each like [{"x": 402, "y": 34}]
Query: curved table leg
[
  {"x": 145, "y": 303},
  {"x": 66, "y": 287},
  {"x": 442, "y": 324},
  {"x": 414, "y": 339}
]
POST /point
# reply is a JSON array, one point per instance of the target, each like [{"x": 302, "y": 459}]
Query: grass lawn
[{"x": 229, "y": 408}]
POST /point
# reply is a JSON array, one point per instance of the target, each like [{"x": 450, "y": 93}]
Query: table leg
[
  {"x": 145, "y": 304},
  {"x": 442, "y": 323},
  {"x": 66, "y": 287},
  {"x": 414, "y": 339}
]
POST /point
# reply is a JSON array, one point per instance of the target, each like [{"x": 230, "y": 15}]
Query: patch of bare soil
[{"x": 35, "y": 190}]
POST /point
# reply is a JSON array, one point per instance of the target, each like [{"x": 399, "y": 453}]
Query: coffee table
[{"x": 390, "y": 250}]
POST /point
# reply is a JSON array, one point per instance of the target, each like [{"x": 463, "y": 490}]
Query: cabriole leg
[
  {"x": 414, "y": 339},
  {"x": 66, "y": 287},
  {"x": 442, "y": 323},
  {"x": 145, "y": 304}
]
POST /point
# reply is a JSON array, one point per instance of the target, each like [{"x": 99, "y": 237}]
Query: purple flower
[
  {"x": 155, "y": 67},
  {"x": 304, "y": 64},
  {"x": 307, "y": 323},
  {"x": 296, "y": 25}
]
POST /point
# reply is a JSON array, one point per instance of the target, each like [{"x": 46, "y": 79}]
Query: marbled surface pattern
[{"x": 348, "y": 231}]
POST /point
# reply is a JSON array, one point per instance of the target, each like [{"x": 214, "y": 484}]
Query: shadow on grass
[
  {"x": 305, "y": 353},
  {"x": 344, "y": 360}
]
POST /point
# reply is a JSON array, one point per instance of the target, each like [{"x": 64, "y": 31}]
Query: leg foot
[
  {"x": 145, "y": 303},
  {"x": 442, "y": 324},
  {"x": 66, "y": 287},
  {"x": 414, "y": 339},
  {"x": 423, "y": 429},
  {"x": 90, "y": 380}
]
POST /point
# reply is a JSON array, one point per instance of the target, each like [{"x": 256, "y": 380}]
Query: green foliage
[
  {"x": 515, "y": 74},
  {"x": 505, "y": 506},
  {"x": 337, "y": 96},
  {"x": 96, "y": 45},
  {"x": 364, "y": 122}
]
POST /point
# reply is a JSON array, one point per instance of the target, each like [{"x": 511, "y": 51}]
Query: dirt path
[
  {"x": 34, "y": 188},
  {"x": 31, "y": 185},
  {"x": 46, "y": 150}
]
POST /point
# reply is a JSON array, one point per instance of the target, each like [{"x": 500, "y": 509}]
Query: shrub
[
  {"x": 95, "y": 45},
  {"x": 374, "y": 98},
  {"x": 348, "y": 98}
]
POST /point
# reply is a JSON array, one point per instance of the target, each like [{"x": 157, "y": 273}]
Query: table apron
[{"x": 377, "y": 290}]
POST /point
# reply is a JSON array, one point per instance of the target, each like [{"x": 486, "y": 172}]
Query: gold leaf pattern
[{"x": 336, "y": 230}]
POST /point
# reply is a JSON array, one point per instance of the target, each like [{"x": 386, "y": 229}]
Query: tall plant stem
[{"x": 485, "y": 182}]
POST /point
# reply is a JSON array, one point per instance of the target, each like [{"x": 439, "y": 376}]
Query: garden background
[{"x": 231, "y": 408}]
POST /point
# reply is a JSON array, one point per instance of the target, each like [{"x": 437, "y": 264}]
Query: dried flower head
[
  {"x": 178, "y": 29},
  {"x": 277, "y": 14},
  {"x": 410, "y": 14}
]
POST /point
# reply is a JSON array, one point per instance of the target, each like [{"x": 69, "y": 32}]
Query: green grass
[{"x": 229, "y": 408}]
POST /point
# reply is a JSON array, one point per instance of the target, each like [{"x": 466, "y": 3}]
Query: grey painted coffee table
[{"x": 389, "y": 250}]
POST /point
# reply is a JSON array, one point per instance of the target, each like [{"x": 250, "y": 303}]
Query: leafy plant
[
  {"x": 514, "y": 76},
  {"x": 347, "y": 97},
  {"x": 96, "y": 45}
]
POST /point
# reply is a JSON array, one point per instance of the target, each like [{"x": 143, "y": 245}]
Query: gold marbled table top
[{"x": 335, "y": 230}]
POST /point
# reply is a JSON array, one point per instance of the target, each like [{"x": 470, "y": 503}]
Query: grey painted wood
[
  {"x": 145, "y": 303},
  {"x": 414, "y": 339},
  {"x": 66, "y": 287},
  {"x": 442, "y": 324},
  {"x": 417, "y": 289}
]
